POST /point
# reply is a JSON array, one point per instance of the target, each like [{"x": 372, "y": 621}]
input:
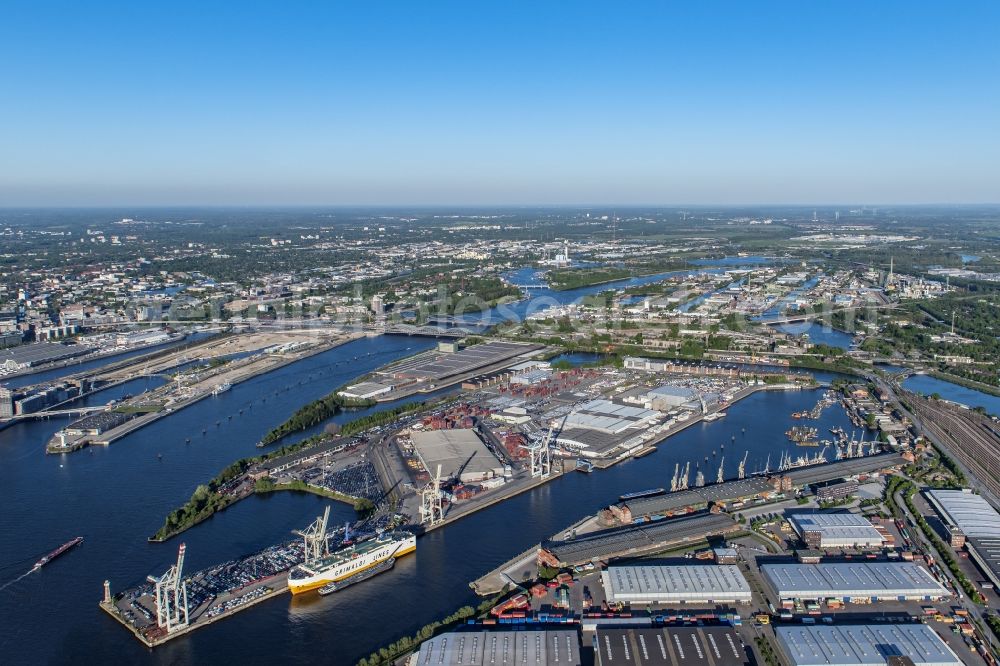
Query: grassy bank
[
  {"x": 361, "y": 505},
  {"x": 393, "y": 651},
  {"x": 212, "y": 497},
  {"x": 315, "y": 413}
]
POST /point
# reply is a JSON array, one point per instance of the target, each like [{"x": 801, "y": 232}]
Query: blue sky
[{"x": 498, "y": 102}]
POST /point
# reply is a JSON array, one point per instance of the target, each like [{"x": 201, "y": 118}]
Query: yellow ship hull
[{"x": 318, "y": 581}]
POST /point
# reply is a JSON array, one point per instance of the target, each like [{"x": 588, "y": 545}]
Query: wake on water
[{"x": 11, "y": 582}]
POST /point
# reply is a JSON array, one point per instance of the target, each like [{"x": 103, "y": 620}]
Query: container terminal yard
[{"x": 792, "y": 538}]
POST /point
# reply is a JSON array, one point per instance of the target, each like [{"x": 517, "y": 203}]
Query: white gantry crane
[
  {"x": 540, "y": 454},
  {"x": 171, "y": 596},
  {"x": 719, "y": 478},
  {"x": 541, "y": 462},
  {"x": 742, "y": 472},
  {"x": 314, "y": 538},
  {"x": 431, "y": 508}
]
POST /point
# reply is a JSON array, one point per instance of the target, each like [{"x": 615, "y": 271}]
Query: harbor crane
[
  {"x": 541, "y": 456},
  {"x": 314, "y": 538},
  {"x": 719, "y": 478},
  {"x": 742, "y": 473},
  {"x": 682, "y": 482},
  {"x": 676, "y": 478},
  {"x": 171, "y": 596},
  {"x": 431, "y": 509}
]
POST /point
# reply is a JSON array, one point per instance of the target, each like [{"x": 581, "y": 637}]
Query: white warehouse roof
[
  {"x": 673, "y": 583},
  {"x": 501, "y": 648},
  {"x": 608, "y": 416},
  {"x": 853, "y": 579},
  {"x": 967, "y": 511},
  {"x": 865, "y": 645},
  {"x": 837, "y": 529}
]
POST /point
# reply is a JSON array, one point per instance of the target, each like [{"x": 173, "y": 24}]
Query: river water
[{"x": 115, "y": 497}]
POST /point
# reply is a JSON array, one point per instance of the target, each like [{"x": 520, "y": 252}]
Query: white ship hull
[{"x": 306, "y": 577}]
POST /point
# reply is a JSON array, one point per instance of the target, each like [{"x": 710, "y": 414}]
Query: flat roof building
[
  {"x": 365, "y": 390},
  {"x": 967, "y": 511},
  {"x": 863, "y": 645},
  {"x": 501, "y": 648},
  {"x": 675, "y": 584},
  {"x": 669, "y": 646},
  {"x": 460, "y": 453},
  {"x": 835, "y": 530},
  {"x": 853, "y": 581},
  {"x": 635, "y": 540}
]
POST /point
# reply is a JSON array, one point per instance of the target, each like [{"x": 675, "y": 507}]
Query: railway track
[{"x": 971, "y": 437}]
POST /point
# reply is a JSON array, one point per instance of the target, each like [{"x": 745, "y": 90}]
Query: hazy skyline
[{"x": 464, "y": 104}]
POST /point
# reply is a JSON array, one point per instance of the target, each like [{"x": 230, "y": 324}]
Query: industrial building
[
  {"x": 985, "y": 551},
  {"x": 460, "y": 452},
  {"x": 644, "y": 509},
  {"x": 450, "y": 362},
  {"x": 501, "y": 648},
  {"x": 973, "y": 522},
  {"x": 835, "y": 530},
  {"x": 609, "y": 417},
  {"x": 600, "y": 428},
  {"x": 863, "y": 645},
  {"x": 842, "y": 469},
  {"x": 669, "y": 646},
  {"x": 853, "y": 582},
  {"x": 29, "y": 356},
  {"x": 676, "y": 584},
  {"x": 635, "y": 540},
  {"x": 666, "y": 397},
  {"x": 967, "y": 511},
  {"x": 835, "y": 490},
  {"x": 365, "y": 390}
]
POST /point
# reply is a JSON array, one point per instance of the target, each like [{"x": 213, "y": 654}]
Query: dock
[
  {"x": 245, "y": 370},
  {"x": 158, "y": 637}
]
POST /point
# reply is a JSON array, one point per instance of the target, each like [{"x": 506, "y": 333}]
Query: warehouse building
[
  {"x": 863, "y": 645},
  {"x": 667, "y": 397},
  {"x": 676, "y": 584},
  {"x": 835, "y": 530},
  {"x": 973, "y": 522},
  {"x": 39, "y": 353},
  {"x": 832, "y": 491},
  {"x": 843, "y": 469},
  {"x": 365, "y": 390},
  {"x": 460, "y": 453},
  {"x": 609, "y": 417},
  {"x": 635, "y": 540},
  {"x": 969, "y": 512},
  {"x": 853, "y": 582},
  {"x": 501, "y": 648},
  {"x": 450, "y": 361},
  {"x": 601, "y": 428},
  {"x": 669, "y": 646}
]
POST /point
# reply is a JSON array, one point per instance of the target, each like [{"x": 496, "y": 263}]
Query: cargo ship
[
  {"x": 57, "y": 552},
  {"x": 350, "y": 561},
  {"x": 652, "y": 492},
  {"x": 222, "y": 388},
  {"x": 339, "y": 585}
]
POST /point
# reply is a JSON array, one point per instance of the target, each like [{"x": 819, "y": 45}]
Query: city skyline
[{"x": 120, "y": 105}]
